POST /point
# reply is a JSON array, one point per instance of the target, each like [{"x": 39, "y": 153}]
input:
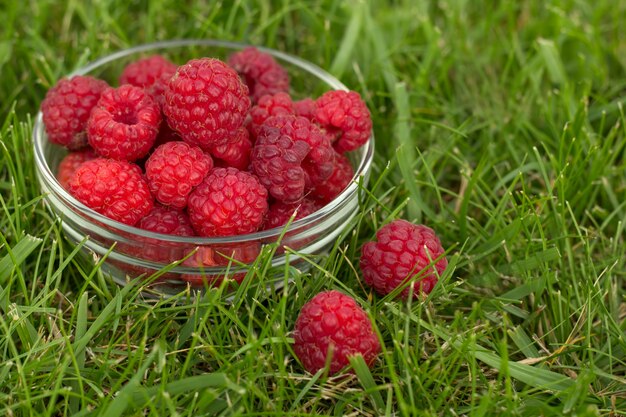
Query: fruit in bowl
[{"x": 231, "y": 140}]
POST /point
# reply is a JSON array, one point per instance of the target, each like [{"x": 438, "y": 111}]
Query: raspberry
[
  {"x": 276, "y": 159},
  {"x": 146, "y": 71},
  {"x": 403, "y": 250},
  {"x": 333, "y": 323},
  {"x": 167, "y": 221},
  {"x": 219, "y": 255},
  {"x": 262, "y": 74},
  {"x": 157, "y": 89},
  {"x": 228, "y": 202},
  {"x": 66, "y": 108},
  {"x": 206, "y": 102},
  {"x": 279, "y": 104},
  {"x": 70, "y": 164},
  {"x": 290, "y": 156},
  {"x": 236, "y": 154},
  {"x": 116, "y": 189},
  {"x": 279, "y": 213},
  {"x": 337, "y": 182},
  {"x": 305, "y": 108},
  {"x": 124, "y": 124},
  {"x": 344, "y": 115},
  {"x": 174, "y": 169}
]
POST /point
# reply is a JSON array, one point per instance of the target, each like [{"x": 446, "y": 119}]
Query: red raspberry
[
  {"x": 333, "y": 323},
  {"x": 344, "y": 115},
  {"x": 124, "y": 124},
  {"x": 70, "y": 164},
  {"x": 221, "y": 255},
  {"x": 276, "y": 159},
  {"x": 236, "y": 154},
  {"x": 168, "y": 221},
  {"x": 279, "y": 213},
  {"x": 165, "y": 220},
  {"x": 146, "y": 71},
  {"x": 290, "y": 156},
  {"x": 66, "y": 109},
  {"x": 116, "y": 189},
  {"x": 279, "y": 104},
  {"x": 206, "y": 102},
  {"x": 403, "y": 250},
  {"x": 337, "y": 182},
  {"x": 305, "y": 108},
  {"x": 228, "y": 202},
  {"x": 174, "y": 169},
  {"x": 157, "y": 89},
  {"x": 262, "y": 74}
]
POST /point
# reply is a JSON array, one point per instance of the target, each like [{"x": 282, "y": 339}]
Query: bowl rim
[{"x": 39, "y": 136}]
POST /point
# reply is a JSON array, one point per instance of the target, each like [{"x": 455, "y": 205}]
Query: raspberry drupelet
[
  {"x": 66, "y": 108},
  {"x": 403, "y": 250},
  {"x": 332, "y": 323}
]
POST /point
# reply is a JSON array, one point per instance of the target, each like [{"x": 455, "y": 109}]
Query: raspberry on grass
[
  {"x": 116, "y": 189},
  {"x": 279, "y": 104},
  {"x": 262, "y": 74},
  {"x": 228, "y": 202},
  {"x": 71, "y": 162},
  {"x": 345, "y": 116},
  {"x": 279, "y": 213},
  {"x": 206, "y": 102},
  {"x": 124, "y": 124},
  {"x": 168, "y": 221},
  {"x": 146, "y": 71},
  {"x": 332, "y": 323},
  {"x": 66, "y": 108},
  {"x": 236, "y": 154},
  {"x": 337, "y": 182},
  {"x": 290, "y": 156},
  {"x": 174, "y": 169},
  {"x": 404, "y": 250}
]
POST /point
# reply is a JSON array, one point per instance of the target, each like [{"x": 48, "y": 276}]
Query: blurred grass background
[{"x": 499, "y": 124}]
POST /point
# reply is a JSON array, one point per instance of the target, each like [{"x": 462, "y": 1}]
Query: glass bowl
[{"x": 131, "y": 252}]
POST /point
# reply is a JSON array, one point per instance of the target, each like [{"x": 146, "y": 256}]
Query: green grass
[{"x": 499, "y": 124}]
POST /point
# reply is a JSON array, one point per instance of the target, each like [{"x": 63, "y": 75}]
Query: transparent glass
[{"x": 132, "y": 252}]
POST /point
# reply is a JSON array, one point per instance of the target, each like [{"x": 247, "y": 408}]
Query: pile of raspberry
[
  {"x": 207, "y": 148},
  {"x": 213, "y": 148}
]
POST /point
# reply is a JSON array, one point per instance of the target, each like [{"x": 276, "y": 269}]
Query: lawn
[{"x": 498, "y": 124}]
